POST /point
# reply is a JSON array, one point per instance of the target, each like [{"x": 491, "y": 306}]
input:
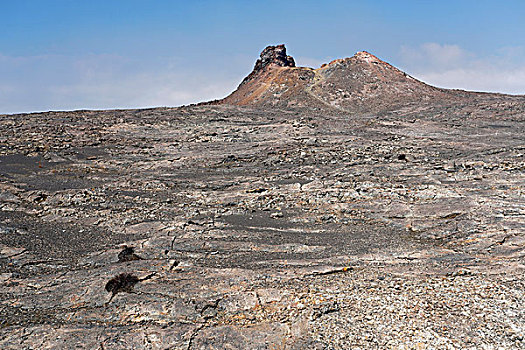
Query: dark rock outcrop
[
  {"x": 271, "y": 55},
  {"x": 274, "y": 55},
  {"x": 123, "y": 282},
  {"x": 128, "y": 254}
]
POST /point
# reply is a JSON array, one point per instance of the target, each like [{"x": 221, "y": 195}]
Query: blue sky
[{"x": 62, "y": 55}]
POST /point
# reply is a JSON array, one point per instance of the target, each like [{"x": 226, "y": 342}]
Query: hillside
[
  {"x": 349, "y": 206},
  {"x": 360, "y": 83}
]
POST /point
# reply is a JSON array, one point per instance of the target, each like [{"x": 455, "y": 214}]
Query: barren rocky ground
[{"x": 264, "y": 228}]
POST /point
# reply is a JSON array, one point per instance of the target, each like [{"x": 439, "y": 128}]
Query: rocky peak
[
  {"x": 367, "y": 57},
  {"x": 274, "y": 55},
  {"x": 361, "y": 56},
  {"x": 271, "y": 55},
  {"x": 362, "y": 82}
]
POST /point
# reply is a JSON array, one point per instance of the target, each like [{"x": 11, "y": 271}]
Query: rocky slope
[{"x": 268, "y": 227}]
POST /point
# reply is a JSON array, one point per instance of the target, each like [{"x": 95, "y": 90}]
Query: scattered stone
[
  {"x": 124, "y": 282},
  {"x": 256, "y": 190},
  {"x": 128, "y": 254}
]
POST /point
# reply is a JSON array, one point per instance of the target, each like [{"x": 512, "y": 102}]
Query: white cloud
[
  {"x": 451, "y": 66},
  {"x": 435, "y": 55},
  {"x": 510, "y": 81},
  {"x": 59, "y": 82}
]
